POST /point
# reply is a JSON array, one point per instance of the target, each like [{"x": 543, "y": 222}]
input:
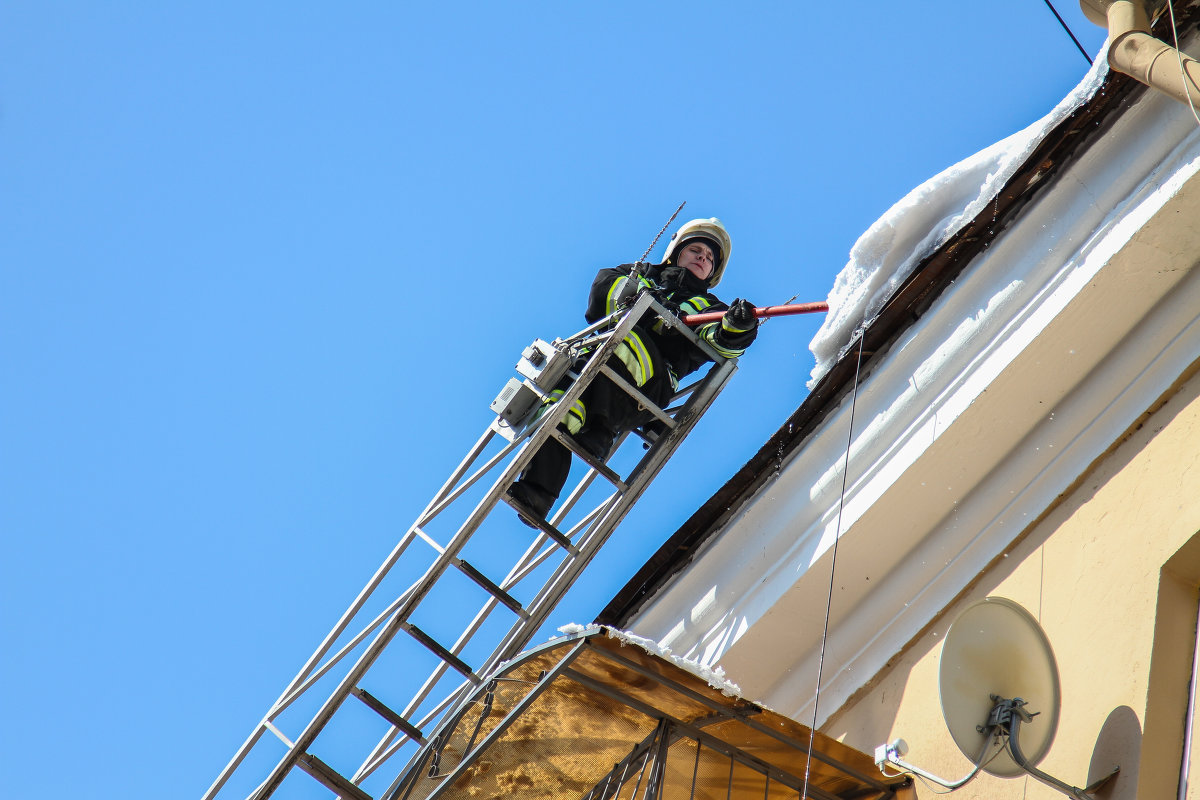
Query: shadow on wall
[{"x": 1119, "y": 743}]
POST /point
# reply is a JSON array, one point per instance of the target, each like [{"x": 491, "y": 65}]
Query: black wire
[
  {"x": 1063, "y": 22},
  {"x": 812, "y": 732}
]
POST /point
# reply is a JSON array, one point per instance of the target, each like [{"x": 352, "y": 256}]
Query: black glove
[
  {"x": 671, "y": 278},
  {"x": 740, "y": 316}
]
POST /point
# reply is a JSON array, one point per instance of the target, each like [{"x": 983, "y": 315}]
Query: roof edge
[{"x": 911, "y": 300}]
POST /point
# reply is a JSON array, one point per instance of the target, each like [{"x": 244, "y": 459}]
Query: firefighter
[{"x": 652, "y": 357}]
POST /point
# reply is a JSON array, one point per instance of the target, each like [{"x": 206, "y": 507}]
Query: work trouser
[{"x": 604, "y": 406}]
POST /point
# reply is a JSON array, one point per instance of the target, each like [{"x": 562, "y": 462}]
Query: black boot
[
  {"x": 535, "y": 500},
  {"x": 596, "y": 440}
]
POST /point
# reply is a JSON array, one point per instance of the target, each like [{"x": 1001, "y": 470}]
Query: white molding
[{"x": 1061, "y": 334}]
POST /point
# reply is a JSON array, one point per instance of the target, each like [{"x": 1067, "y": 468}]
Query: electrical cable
[
  {"x": 1183, "y": 75},
  {"x": 1066, "y": 28},
  {"x": 812, "y": 731},
  {"x": 998, "y": 736}
]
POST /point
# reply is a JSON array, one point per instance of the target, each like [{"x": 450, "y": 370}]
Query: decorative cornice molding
[{"x": 1052, "y": 343}]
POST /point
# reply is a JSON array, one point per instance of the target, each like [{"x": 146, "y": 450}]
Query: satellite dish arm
[
  {"x": 891, "y": 754},
  {"x": 1014, "y": 749}
]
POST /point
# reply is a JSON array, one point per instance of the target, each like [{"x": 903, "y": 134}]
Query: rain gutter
[{"x": 1136, "y": 52}]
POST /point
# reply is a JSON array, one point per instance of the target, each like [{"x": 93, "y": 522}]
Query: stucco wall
[{"x": 1111, "y": 573}]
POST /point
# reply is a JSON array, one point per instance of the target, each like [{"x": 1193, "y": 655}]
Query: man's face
[{"x": 697, "y": 258}]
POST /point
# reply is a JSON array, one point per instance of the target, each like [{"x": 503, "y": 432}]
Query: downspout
[{"x": 1133, "y": 51}]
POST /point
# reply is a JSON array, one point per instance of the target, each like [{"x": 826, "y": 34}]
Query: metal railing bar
[
  {"x": 429, "y": 540},
  {"x": 278, "y": 733},
  {"x": 744, "y": 719},
  {"x": 517, "y": 709},
  {"x": 712, "y": 742},
  {"x": 434, "y": 510},
  {"x": 459, "y": 471},
  {"x": 566, "y": 441},
  {"x": 636, "y": 394},
  {"x": 523, "y": 571},
  {"x": 349, "y": 647}
]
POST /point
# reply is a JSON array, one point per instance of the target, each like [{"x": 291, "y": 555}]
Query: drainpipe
[{"x": 1133, "y": 51}]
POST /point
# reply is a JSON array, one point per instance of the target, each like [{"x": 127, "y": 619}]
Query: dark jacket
[{"x": 679, "y": 289}]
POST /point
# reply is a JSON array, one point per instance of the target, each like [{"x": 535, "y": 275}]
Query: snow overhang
[{"x": 1073, "y": 311}]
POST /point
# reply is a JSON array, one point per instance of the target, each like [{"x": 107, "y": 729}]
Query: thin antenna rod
[{"x": 661, "y": 232}]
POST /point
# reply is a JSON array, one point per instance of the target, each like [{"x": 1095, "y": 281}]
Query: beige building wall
[{"x": 1111, "y": 572}]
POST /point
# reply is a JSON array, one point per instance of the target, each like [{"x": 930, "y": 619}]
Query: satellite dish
[
  {"x": 996, "y": 649},
  {"x": 1000, "y": 697}
]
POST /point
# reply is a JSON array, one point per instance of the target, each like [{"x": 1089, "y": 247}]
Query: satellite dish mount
[{"x": 994, "y": 657}]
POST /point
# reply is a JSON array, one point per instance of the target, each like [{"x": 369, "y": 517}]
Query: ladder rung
[
  {"x": 442, "y": 653},
  {"x": 542, "y": 525},
  {"x": 375, "y": 704},
  {"x": 641, "y": 399},
  {"x": 331, "y": 779},
  {"x": 599, "y": 466},
  {"x": 491, "y": 588}
]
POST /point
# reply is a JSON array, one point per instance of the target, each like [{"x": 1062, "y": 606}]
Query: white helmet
[{"x": 714, "y": 234}]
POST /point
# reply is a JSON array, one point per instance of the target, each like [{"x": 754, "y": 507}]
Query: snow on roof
[
  {"x": 713, "y": 676},
  {"x": 884, "y": 257}
]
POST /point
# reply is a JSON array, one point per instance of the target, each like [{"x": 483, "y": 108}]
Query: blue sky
[{"x": 265, "y": 265}]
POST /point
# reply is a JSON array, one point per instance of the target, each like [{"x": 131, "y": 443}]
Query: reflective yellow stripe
[
  {"x": 630, "y": 361},
  {"x": 708, "y": 334},
  {"x": 576, "y": 416},
  {"x": 610, "y": 305},
  {"x": 636, "y": 358},
  {"x": 643, "y": 356},
  {"x": 730, "y": 328}
]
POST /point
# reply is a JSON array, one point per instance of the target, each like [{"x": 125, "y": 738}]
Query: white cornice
[{"x": 1052, "y": 343}]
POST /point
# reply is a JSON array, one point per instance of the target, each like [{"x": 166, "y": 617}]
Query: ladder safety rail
[{"x": 560, "y": 549}]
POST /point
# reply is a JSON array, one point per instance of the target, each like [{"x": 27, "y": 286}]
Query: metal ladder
[{"x": 423, "y": 584}]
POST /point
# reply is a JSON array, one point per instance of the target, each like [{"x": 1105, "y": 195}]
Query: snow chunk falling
[{"x": 923, "y": 221}]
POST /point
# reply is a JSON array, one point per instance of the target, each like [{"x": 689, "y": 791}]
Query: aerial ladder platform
[{"x": 439, "y": 615}]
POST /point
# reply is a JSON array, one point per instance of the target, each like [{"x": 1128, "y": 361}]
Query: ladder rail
[
  {"x": 650, "y": 466},
  {"x": 440, "y": 501},
  {"x": 302, "y": 678},
  {"x": 383, "y": 751},
  {"x": 519, "y": 572},
  {"x": 643, "y": 401},
  {"x": 575, "y": 549},
  {"x": 460, "y": 470},
  {"x": 289, "y": 694},
  {"x": 617, "y": 506},
  {"x": 535, "y": 555},
  {"x": 476, "y": 517},
  {"x": 456, "y": 492},
  {"x": 349, "y": 647}
]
